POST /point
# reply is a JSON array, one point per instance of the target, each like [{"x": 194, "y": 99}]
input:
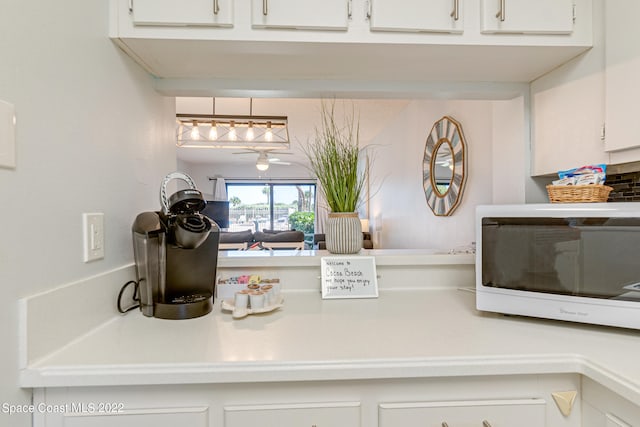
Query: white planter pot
[{"x": 343, "y": 233}]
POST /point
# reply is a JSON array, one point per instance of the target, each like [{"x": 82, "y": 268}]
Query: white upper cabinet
[
  {"x": 358, "y": 42},
  {"x": 622, "y": 76},
  {"x": 217, "y": 13},
  {"x": 416, "y": 15},
  {"x": 307, "y": 14},
  {"x": 527, "y": 16}
]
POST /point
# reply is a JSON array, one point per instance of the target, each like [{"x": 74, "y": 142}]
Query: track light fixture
[{"x": 232, "y": 131}]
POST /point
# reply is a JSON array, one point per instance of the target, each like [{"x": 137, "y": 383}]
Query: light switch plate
[
  {"x": 93, "y": 236},
  {"x": 7, "y": 135}
]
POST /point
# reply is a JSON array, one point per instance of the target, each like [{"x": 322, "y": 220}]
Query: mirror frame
[{"x": 445, "y": 131}]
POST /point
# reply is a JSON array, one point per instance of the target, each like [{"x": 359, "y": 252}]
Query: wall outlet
[{"x": 93, "y": 236}]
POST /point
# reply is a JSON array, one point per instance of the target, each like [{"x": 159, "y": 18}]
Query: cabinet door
[
  {"x": 527, "y": 16},
  {"x": 183, "y": 12},
  {"x": 622, "y": 75},
  {"x": 309, "y": 14},
  {"x": 192, "y": 417},
  {"x": 567, "y": 118},
  {"x": 416, "y": 15},
  {"x": 521, "y": 413},
  {"x": 343, "y": 414}
]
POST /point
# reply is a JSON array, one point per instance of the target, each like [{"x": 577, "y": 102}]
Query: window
[{"x": 272, "y": 205}]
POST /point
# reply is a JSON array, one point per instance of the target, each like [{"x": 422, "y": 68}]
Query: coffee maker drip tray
[{"x": 184, "y": 306}]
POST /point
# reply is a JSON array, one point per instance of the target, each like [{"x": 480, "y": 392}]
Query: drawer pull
[
  {"x": 485, "y": 423},
  {"x": 501, "y": 13},
  {"x": 455, "y": 14}
]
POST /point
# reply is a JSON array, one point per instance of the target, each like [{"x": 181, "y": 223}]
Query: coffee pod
[
  {"x": 269, "y": 295},
  {"x": 241, "y": 300},
  {"x": 257, "y": 300},
  {"x": 276, "y": 288}
]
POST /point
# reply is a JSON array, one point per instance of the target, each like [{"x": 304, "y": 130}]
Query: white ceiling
[{"x": 304, "y": 116}]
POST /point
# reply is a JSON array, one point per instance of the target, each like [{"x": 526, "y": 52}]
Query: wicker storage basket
[{"x": 578, "y": 193}]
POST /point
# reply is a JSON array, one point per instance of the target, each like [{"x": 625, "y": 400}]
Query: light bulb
[
  {"x": 268, "y": 135},
  {"x": 213, "y": 132},
  {"x": 232, "y": 132},
  {"x": 250, "y": 134},
  {"x": 195, "y": 132},
  {"x": 263, "y": 162}
]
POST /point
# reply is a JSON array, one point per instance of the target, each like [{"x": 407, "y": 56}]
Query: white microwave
[{"x": 576, "y": 262}]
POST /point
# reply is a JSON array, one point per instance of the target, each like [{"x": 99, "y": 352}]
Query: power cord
[{"x": 135, "y": 298}]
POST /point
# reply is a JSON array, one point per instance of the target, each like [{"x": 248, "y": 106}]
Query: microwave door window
[
  {"x": 592, "y": 257},
  {"x": 532, "y": 254},
  {"x": 610, "y": 261}
]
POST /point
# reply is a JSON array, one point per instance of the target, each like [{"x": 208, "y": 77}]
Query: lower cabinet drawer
[
  {"x": 481, "y": 413},
  {"x": 160, "y": 417},
  {"x": 340, "y": 414}
]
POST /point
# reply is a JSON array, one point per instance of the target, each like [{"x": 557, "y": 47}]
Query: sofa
[
  {"x": 319, "y": 241},
  {"x": 265, "y": 239}
]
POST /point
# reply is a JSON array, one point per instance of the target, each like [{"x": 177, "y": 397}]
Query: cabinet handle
[
  {"x": 455, "y": 14},
  {"x": 485, "y": 423},
  {"x": 501, "y": 12},
  {"x": 216, "y": 7},
  {"x": 349, "y": 9},
  {"x": 130, "y": 6},
  {"x": 265, "y": 7}
]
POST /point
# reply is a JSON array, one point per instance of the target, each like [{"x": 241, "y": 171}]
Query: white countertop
[
  {"x": 311, "y": 258},
  {"x": 401, "y": 334}
]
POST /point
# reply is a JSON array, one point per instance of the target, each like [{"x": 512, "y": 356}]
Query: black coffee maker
[{"x": 176, "y": 255}]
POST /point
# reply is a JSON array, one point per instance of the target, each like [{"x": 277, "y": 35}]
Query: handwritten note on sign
[{"x": 349, "y": 277}]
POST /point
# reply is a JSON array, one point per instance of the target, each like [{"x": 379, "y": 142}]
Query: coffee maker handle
[{"x": 163, "y": 188}]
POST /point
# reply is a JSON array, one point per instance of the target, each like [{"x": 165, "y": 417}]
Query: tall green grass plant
[{"x": 334, "y": 158}]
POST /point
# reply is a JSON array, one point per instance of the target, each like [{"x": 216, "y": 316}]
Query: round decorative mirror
[{"x": 444, "y": 166}]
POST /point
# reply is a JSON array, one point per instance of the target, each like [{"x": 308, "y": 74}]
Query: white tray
[{"x": 238, "y": 313}]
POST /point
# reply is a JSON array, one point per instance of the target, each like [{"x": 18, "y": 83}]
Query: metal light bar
[{"x": 221, "y": 131}]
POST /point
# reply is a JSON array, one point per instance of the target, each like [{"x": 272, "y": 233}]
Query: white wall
[
  {"x": 496, "y": 145},
  {"x": 399, "y": 213},
  {"x": 92, "y": 136},
  {"x": 510, "y": 157}
]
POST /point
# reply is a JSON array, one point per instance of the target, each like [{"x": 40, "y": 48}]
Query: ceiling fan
[{"x": 263, "y": 161}]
